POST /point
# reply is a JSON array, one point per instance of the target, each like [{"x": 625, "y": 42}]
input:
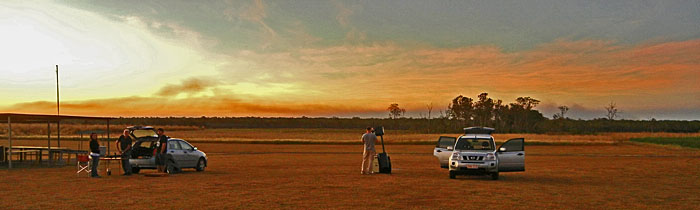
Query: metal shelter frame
[{"x": 10, "y": 118}]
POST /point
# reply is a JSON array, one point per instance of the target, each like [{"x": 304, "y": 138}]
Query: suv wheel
[
  {"x": 201, "y": 165},
  {"x": 135, "y": 170},
  {"x": 453, "y": 175},
  {"x": 494, "y": 176}
]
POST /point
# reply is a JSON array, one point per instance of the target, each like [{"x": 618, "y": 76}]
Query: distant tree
[
  {"x": 395, "y": 111},
  {"x": 430, "y": 121},
  {"x": 522, "y": 116},
  {"x": 527, "y": 103},
  {"x": 498, "y": 114},
  {"x": 562, "y": 112},
  {"x": 461, "y": 108},
  {"x": 483, "y": 109},
  {"x": 612, "y": 111},
  {"x": 430, "y": 109}
]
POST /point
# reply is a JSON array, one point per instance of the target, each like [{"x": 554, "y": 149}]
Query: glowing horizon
[{"x": 339, "y": 58}]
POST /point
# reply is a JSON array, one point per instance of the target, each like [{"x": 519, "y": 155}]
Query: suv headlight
[
  {"x": 490, "y": 156},
  {"x": 455, "y": 156}
]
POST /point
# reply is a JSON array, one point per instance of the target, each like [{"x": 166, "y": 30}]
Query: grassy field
[
  {"x": 692, "y": 142},
  {"x": 254, "y": 176},
  {"x": 347, "y": 136}
]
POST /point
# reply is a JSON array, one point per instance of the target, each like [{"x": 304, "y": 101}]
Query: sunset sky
[{"x": 348, "y": 58}]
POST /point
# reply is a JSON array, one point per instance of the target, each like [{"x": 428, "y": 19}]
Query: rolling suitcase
[{"x": 383, "y": 158}]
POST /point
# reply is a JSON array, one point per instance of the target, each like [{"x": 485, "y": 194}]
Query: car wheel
[
  {"x": 494, "y": 176},
  {"x": 135, "y": 170},
  {"x": 452, "y": 175},
  {"x": 169, "y": 169},
  {"x": 201, "y": 165}
]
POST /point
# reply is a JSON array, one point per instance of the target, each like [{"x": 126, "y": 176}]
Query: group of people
[
  {"x": 124, "y": 146},
  {"x": 125, "y": 141}
]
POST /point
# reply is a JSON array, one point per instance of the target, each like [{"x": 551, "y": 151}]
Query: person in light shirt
[{"x": 369, "y": 152}]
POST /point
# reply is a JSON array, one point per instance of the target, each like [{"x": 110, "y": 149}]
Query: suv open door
[
  {"x": 511, "y": 155},
  {"x": 443, "y": 149}
]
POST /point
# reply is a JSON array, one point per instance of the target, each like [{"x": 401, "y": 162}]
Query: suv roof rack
[{"x": 479, "y": 130}]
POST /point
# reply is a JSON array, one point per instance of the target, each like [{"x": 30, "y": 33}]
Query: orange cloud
[
  {"x": 210, "y": 106},
  {"x": 190, "y": 86}
]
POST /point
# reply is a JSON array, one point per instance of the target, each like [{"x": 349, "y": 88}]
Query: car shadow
[{"x": 522, "y": 178}]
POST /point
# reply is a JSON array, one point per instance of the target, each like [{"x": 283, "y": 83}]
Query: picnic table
[
  {"x": 106, "y": 162},
  {"x": 24, "y": 151}
]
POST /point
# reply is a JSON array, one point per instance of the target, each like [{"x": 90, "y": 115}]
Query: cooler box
[{"x": 103, "y": 151}]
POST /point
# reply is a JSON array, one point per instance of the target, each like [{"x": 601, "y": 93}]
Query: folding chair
[{"x": 83, "y": 164}]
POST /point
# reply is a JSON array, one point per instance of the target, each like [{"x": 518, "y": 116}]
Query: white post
[{"x": 9, "y": 138}]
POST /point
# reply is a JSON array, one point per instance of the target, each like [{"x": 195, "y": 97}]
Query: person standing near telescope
[{"x": 369, "y": 152}]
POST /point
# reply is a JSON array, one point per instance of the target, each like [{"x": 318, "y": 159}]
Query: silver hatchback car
[{"x": 184, "y": 155}]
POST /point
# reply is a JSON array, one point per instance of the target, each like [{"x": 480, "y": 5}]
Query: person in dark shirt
[
  {"x": 95, "y": 154},
  {"x": 161, "y": 150},
  {"x": 124, "y": 146}
]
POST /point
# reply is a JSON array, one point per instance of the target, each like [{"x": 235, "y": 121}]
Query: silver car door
[
  {"x": 189, "y": 154},
  {"x": 442, "y": 152},
  {"x": 175, "y": 150},
  {"x": 511, "y": 155}
]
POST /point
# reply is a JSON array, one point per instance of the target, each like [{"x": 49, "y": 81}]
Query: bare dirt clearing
[{"x": 327, "y": 176}]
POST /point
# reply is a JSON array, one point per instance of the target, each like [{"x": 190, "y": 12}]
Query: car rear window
[{"x": 144, "y": 133}]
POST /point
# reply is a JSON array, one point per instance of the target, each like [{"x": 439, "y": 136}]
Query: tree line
[{"x": 519, "y": 116}]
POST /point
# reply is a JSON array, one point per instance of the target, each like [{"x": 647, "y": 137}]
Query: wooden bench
[{"x": 22, "y": 154}]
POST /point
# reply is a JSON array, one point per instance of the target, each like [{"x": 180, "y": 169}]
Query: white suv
[{"x": 475, "y": 153}]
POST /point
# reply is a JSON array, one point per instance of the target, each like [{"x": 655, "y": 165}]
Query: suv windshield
[
  {"x": 144, "y": 133},
  {"x": 474, "y": 144}
]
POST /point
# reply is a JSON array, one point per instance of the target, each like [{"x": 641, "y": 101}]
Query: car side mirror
[
  {"x": 194, "y": 148},
  {"x": 450, "y": 148},
  {"x": 502, "y": 149}
]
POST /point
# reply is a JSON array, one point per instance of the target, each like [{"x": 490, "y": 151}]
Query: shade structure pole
[
  {"x": 9, "y": 138},
  {"x": 58, "y": 110},
  {"x": 108, "y": 139},
  {"x": 48, "y": 127}
]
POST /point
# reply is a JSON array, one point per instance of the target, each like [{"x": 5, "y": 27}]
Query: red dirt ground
[{"x": 629, "y": 176}]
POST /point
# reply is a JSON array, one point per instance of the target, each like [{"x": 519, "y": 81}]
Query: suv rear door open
[
  {"x": 441, "y": 149},
  {"x": 511, "y": 155}
]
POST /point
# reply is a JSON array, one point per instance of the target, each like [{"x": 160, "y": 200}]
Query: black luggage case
[
  {"x": 383, "y": 158},
  {"x": 384, "y": 163}
]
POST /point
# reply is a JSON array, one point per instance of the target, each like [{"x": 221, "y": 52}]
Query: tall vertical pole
[
  {"x": 9, "y": 138},
  {"x": 58, "y": 111},
  {"x": 108, "y": 139},
  {"x": 48, "y": 127}
]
